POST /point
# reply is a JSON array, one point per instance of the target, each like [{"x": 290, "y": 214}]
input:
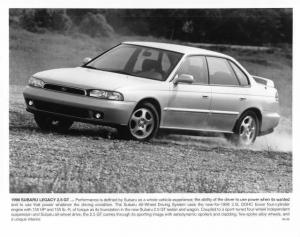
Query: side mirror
[
  {"x": 184, "y": 78},
  {"x": 86, "y": 60}
]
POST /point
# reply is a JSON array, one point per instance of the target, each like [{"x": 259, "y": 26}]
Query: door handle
[
  {"x": 243, "y": 98},
  {"x": 205, "y": 96}
]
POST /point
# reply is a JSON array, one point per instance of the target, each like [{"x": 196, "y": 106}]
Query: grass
[{"x": 91, "y": 159}]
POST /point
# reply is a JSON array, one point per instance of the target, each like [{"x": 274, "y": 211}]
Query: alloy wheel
[
  {"x": 247, "y": 130},
  {"x": 141, "y": 123}
]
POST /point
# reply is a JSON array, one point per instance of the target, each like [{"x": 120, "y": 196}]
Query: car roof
[{"x": 177, "y": 48}]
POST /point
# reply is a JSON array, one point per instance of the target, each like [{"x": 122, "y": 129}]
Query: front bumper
[{"x": 78, "y": 107}]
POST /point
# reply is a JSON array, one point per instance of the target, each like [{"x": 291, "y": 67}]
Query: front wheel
[
  {"x": 143, "y": 123},
  {"x": 246, "y": 130},
  {"x": 47, "y": 123}
]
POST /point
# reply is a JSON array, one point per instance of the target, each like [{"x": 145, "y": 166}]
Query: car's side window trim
[
  {"x": 226, "y": 60},
  {"x": 209, "y": 81},
  {"x": 207, "y": 68},
  {"x": 236, "y": 77},
  {"x": 230, "y": 61},
  {"x": 240, "y": 85}
]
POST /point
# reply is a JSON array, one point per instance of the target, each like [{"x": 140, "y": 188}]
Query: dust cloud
[{"x": 279, "y": 140}]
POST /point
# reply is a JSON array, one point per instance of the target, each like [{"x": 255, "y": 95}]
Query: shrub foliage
[{"x": 231, "y": 26}]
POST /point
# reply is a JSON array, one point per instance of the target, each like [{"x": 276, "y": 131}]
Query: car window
[
  {"x": 116, "y": 59},
  {"x": 240, "y": 75},
  {"x": 220, "y": 72},
  {"x": 165, "y": 63},
  {"x": 195, "y": 66},
  {"x": 151, "y": 54},
  {"x": 139, "y": 61}
]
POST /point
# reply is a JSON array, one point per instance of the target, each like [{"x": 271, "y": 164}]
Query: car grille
[
  {"x": 61, "y": 109},
  {"x": 64, "y": 89}
]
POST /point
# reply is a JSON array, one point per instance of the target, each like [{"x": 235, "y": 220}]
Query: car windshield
[{"x": 139, "y": 61}]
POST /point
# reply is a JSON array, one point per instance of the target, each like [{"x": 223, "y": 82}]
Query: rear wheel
[
  {"x": 47, "y": 123},
  {"x": 246, "y": 130},
  {"x": 143, "y": 123}
]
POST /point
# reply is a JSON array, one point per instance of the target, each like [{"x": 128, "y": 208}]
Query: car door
[
  {"x": 189, "y": 104},
  {"x": 230, "y": 93}
]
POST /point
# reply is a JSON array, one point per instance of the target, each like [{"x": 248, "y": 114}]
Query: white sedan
[{"x": 141, "y": 87}]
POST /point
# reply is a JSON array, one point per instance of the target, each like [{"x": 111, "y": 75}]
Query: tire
[
  {"x": 47, "y": 123},
  {"x": 143, "y": 123},
  {"x": 245, "y": 131}
]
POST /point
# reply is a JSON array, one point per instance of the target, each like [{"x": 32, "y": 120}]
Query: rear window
[{"x": 220, "y": 72}]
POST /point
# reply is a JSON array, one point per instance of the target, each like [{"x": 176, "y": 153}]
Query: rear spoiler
[{"x": 264, "y": 81}]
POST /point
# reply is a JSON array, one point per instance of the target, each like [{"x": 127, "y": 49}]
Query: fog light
[
  {"x": 30, "y": 102},
  {"x": 97, "y": 115}
]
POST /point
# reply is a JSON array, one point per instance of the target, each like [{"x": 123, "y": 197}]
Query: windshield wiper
[
  {"x": 107, "y": 70},
  {"x": 90, "y": 67}
]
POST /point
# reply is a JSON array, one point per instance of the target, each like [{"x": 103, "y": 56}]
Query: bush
[
  {"x": 39, "y": 20},
  {"x": 95, "y": 25},
  {"x": 14, "y": 17}
]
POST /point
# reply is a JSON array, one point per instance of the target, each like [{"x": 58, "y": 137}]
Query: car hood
[{"x": 86, "y": 78}]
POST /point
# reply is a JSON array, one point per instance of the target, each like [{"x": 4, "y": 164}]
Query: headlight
[
  {"x": 36, "y": 82},
  {"x": 108, "y": 95}
]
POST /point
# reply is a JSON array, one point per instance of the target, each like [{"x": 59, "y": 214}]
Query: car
[{"x": 143, "y": 87}]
